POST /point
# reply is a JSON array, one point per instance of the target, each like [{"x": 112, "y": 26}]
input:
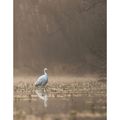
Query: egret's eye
[{"x": 46, "y": 69}]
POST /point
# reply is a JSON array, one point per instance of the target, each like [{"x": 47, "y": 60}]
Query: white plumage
[{"x": 42, "y": 80}]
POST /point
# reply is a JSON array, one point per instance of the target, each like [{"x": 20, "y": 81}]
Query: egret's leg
[{"x": 45, "y": 89}]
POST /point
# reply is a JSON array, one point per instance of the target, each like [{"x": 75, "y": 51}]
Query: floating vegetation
[{"x": 79, "y": 100}]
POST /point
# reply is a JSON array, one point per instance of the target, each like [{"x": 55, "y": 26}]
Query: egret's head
[{"x": 45, "y": 69}]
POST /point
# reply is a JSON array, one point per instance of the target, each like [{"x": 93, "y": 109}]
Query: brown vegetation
[
  {"x": 69, "y": 98},
  {"x": 67, "y": 36}
]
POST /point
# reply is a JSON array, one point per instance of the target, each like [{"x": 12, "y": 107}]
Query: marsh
[{"x": 74, "y": 99}]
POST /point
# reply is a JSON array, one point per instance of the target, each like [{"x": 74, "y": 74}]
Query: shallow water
[
  {"x": 73, "y": 100},
  {"x": 86, "y": 108}
]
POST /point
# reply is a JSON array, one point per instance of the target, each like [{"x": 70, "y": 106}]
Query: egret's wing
[
  {"x": 39, "y": 80},
  {"x": 42, "y": 80}
]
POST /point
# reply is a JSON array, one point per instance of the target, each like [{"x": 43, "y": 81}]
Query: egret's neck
[{"x": 45, "y": 72}]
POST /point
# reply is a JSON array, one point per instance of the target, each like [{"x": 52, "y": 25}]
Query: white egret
[
  {"x": 42, "y": 80},
  {"x": 40, "y": 83}
]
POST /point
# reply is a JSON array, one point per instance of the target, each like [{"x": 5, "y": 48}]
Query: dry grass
[{"x": 90, "y": 91}]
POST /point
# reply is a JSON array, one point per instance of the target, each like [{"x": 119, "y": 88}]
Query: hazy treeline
[{"x": 67, "y": 36}]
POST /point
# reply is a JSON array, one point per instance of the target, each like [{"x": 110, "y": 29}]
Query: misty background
[{"x": 66, "y": 36}]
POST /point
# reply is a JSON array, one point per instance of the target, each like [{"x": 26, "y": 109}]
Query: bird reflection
[{"x": 42, "y": 94}]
